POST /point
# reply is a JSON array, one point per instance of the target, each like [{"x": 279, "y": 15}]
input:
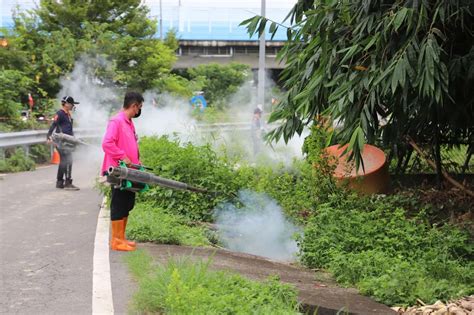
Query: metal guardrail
[
  {"x": 222, "y": 127},
  {"x": 230, "y": 127},
  {"x": 30, "y": 137}
]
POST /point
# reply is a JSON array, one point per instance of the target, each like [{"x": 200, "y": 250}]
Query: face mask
[{"x": 138, "y": 114}]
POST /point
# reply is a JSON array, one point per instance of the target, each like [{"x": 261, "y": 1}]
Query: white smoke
[
  {"x": 239, "y": 142},
  {"x": 165, "y": 114},
  {"x": 161, "y": 114},
  {"x": 98, "y": 102},
  {"x": 258, "y": 227}
]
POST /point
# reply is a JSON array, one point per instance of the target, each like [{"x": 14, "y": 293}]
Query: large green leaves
[{"x": 383, "y": 69}]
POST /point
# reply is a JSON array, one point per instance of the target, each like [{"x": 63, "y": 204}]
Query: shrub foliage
[
  {"x": 186, "y": 287},
  {"x": 370, "y": 243}
]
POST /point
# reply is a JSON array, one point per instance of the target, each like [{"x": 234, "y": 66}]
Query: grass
[
  {"x": 190, "y": 287},
  {"x": 151, "y": 224},
  {"x": 372, "y": 244},
  {"x": 387, "y": 247}
]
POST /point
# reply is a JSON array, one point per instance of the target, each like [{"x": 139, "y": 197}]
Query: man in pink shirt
[{"x": 120, "y": 144}]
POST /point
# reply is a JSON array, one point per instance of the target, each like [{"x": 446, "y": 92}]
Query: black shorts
[{"x": 122, "y": 202}]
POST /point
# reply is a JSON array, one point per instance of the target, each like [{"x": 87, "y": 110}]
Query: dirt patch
[{"x": 317, "y": 291}]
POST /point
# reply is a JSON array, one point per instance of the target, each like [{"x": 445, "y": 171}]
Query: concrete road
[{"x": 47, "y": 243}]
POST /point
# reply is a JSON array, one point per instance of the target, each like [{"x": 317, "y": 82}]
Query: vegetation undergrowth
[
  {"x": 385, "y": 246},
  {"x": 152, "y": 224},
  {"x": 195, "y": 165},
  {"x": 372, "y": 244},
  {"x": 189, "y": 287},
  {"x": 16, "y": 161}
]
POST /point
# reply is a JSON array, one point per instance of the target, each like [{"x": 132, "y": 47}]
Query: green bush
[
  {"x": 221, "y": 81},
  {"x": 151, "y": 224},
  {"x": 296, "y": 189},
  {"x": 40, "y": 153},
  {"x": 16, "y": 161},
  {"x": 14, "y": 85},
  {"x": 4, "y": 127},
  {"x": 300, "y": 188},
  {"x": 194, "y": 165},
  {"x": 186, "y": 287},
  {"x": 372, "y": 244},
  {"x": 210, "y": 115}
]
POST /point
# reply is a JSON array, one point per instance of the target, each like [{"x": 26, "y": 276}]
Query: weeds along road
[{"x": 47, "y": 243}]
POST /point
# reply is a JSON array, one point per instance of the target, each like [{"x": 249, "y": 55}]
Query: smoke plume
[{"x": 257, "y": 227}]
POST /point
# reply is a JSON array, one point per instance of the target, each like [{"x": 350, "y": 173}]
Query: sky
[
  {"x": 193, "y": 19},
  {"x": 228, "y": 3},
  {"x": 7, "y": 5}
]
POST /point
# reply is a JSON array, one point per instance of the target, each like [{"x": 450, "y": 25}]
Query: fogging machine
[
  {"x": 59, "y": 137},
  {"x": 136, "y": 179}
]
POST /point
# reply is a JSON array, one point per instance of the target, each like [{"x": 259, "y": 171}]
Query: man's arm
[
  {"x": 52, "y": 127},
  {"x": 109, "y": 144}
]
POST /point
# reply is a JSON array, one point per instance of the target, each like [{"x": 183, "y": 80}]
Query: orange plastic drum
[{"x": 373, "y": 179}]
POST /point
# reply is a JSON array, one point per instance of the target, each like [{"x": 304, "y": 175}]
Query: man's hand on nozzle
[{"x": 127, "y": 161}]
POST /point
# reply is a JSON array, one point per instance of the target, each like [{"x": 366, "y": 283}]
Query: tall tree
[
  {"x": 408, "y": 63},
  {"x": 14, "y": 85},
  {"x": 221, "y": 81},
  {"x": 117, "y": 36},
  {"x": 123, "y": 17}
]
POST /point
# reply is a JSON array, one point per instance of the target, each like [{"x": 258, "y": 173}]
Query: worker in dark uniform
[{"x": 62, "y": 123}]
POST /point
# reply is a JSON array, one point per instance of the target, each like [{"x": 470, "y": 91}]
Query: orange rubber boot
[
  {"x": 117, "y": 242},
  {"x": 130, "y": 243}
]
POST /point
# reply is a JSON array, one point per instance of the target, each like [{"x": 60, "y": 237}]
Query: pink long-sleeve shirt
[{"x": 120, "y": 141}]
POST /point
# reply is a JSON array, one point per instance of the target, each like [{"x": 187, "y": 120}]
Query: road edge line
[{"x": 102, "y": 300}]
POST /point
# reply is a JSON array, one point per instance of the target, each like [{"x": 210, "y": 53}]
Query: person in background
[
  {"x": 120, "y": 144},
  {"x": 256, "y": 129},
  {"x": 63, "y": 123}
]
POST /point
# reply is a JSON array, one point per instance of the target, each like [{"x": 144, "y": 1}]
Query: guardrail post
[{"x": 26, "y": 148}]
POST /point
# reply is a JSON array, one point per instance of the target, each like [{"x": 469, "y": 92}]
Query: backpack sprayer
[{"x": 136, "y": 179}]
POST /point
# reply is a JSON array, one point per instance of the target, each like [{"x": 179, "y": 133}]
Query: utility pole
[
  {"x": 180, "y": 18},
  {"x": 161, "y": 21},
  {"x": 261, "y": 63}
]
